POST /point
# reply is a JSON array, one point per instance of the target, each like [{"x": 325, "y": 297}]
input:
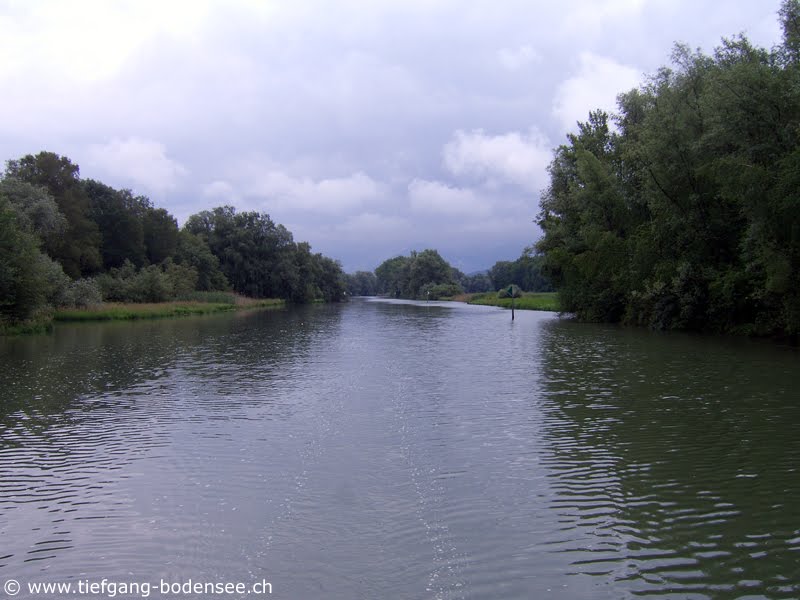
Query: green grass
[
  {"x": 209, "y": 297},
  {"x": 28, "y": 327},
  {"x": 529, "y": 300},
  {"x": 117, "y": 311}
]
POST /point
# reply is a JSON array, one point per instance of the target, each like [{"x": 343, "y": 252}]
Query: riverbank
[
  {"x": 199, "y": 304},
  {"x": 118, "y": 311},
  {"x": 547, "y": 301}
]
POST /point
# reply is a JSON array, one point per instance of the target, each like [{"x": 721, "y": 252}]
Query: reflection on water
[
  {"x": 404, "y": 450},
  {"x": 684, "y": 457}
]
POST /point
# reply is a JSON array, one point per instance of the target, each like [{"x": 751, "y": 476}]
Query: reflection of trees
[
  {"x": 674, "y": 458},
  {"x": 82, "y": 406},
  {"x": 83, "y": 369}
]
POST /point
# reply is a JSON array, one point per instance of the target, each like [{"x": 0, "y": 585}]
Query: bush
[
  {"x": 182, "y": 278},
  {"x": 151, "y": 284},
  {"x": 431, "y": 291},
  {"x": 82, "y": 293}
]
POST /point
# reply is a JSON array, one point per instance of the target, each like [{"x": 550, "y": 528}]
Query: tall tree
[
  {"x": 78, "y": 250},
  {"x": 28, "y": 278},
  {"x": 688, "y": 215},
  {"x": 120, "y": 218},
  {"x": 160, "y": 231}
]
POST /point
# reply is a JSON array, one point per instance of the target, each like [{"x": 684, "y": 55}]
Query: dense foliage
[
  {"x": 427, "y": 276},
  {"x": 66, "y": 241},
  {"x": 361, "y": 283},
  {"x": 260, "y": 258},
  {"x": 526, "y": 272},
  {"x": 686, "y": 215},
  {"x": 424, "y": 275}
]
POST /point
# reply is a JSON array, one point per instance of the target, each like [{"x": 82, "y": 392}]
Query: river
[{"x": 401, "y": 450}]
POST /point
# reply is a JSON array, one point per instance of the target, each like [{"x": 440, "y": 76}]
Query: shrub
[
  {"x": 82, "y": 293},
  {"x": 431, "y": 291}
]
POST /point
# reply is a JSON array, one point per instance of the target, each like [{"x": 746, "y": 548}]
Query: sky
[{"x": 368, "y": 128}]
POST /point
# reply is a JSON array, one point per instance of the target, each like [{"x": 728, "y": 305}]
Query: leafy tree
[
  {"x": 330, "y": 279},
  {"x": 259, "y": 258},
  {"x": 160, "y": 231},
  {"x": 391, "y": 276},
  {"x": 408, "y": 276},
  {"x": 362, "y": 283},
  {"x": 120, "y": 218},
  {"x": 477, "y": 283},
  {"x": 193, "y": 251},
  {"x": 35, "y": 208},
  {"x": 427, "y": 267},
  {"x": 78, "y": 249},
  {"x": 688, "y": 215},
  {"x": 28, "y": 278}
]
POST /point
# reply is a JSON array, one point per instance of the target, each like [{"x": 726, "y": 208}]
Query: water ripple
[{"x": 404, "y": 450}]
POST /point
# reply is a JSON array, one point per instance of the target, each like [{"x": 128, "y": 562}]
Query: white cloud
[
  {"x": 137, "y": 161},
  {"x": 513, "y": 157},
  {"x": 90, "y": 40},
  {"x": 596, "y": 85},
  {"x": 433, "y": 197},
  {"x": 514, "y": 59},
  {"x": 282, "y": 191},
  {"x": 222, "y": 190},
  {"x": 591, "y": 15}
]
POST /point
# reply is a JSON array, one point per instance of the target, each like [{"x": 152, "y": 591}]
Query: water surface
[{"x": 402, "y": 450}]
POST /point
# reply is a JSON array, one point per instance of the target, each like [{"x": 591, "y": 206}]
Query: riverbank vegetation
[
  {"x": 683, "y": 210},
  {"x": 527, "y": 301},
  {"x": 75, "y": 244},
  {"x": 427, "y": 276},
  {"x": 120, "y": 311}
]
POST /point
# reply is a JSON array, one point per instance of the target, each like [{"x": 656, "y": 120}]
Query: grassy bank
[
  {"x": 529, "y": 301},
  {"x": 119, "y": 311},
  {"x": 28, "y": 327}
]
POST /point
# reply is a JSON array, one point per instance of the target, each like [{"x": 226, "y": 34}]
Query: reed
[{"x": 127, "y": 311}]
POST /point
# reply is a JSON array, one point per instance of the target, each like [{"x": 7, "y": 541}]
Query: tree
[
  {"x": 259, "y": 257},
  {"x": 391, "y": 276},
  {"x": 78, "y": 249},
  {"x": 408, "y": 276},
  {"x": 427, "y": 267},
  {"x": 28, "y": 278},
  {"x": 362, "y": 283},
  {"x": 120, "y": 218},
  {"x": 477, "y": 283},
  {"x": 688, "y": 215},
  {"x": 193, "y": 251},
  {"x": 584, "y": 218},
  {"x": 160, "y": 231},
  {"x": 35, "y": 208}
]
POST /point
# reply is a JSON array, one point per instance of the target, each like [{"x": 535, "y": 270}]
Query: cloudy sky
[{"x": 368, "y": 128}]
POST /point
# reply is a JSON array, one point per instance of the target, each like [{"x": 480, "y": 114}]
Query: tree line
[
  {"x": 68, "y": 241},
  {"x": 426, "y": 275},
  {"x": 682, "y": 211}
]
